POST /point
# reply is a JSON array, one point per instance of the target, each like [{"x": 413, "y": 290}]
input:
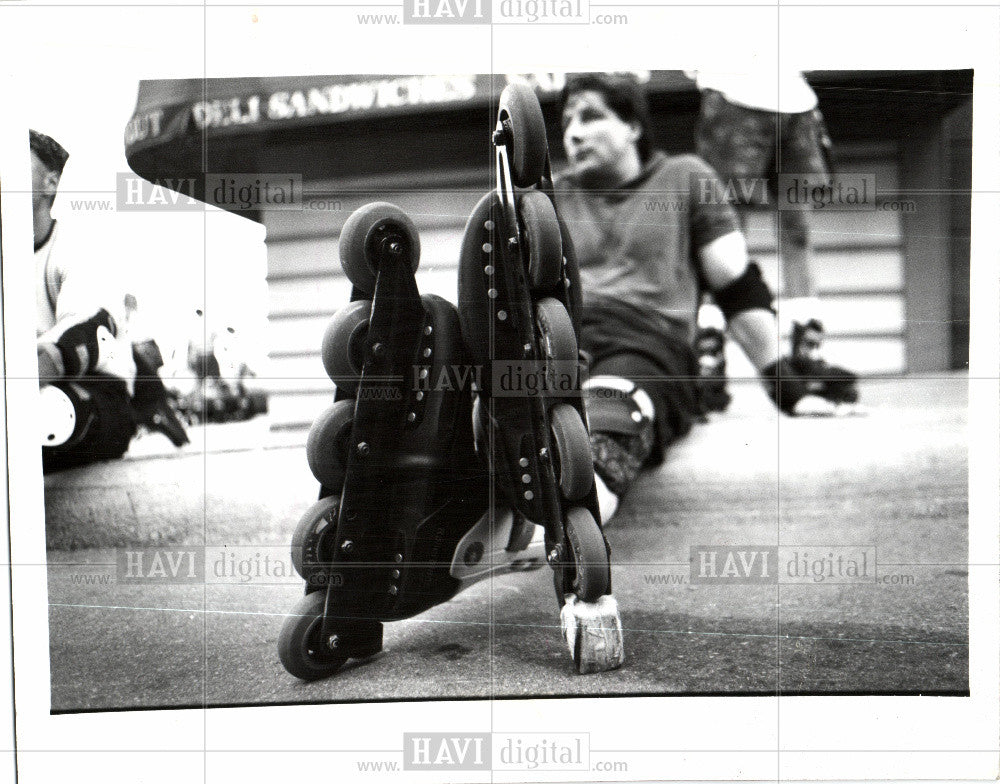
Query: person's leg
[
  {"x": 101, "y": 425},
  {"x": 803, "y": 151},
  {"x": 636, "y": 408}
]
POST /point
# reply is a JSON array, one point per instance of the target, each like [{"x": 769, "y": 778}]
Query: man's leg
[
  {"x": 804, "y": 148},
  {"x": 636, "y": 408}
]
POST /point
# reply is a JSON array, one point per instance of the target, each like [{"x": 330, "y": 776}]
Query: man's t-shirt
[
  {"x": 70, "y": 289},
  {"x": 637, "y": 245}
]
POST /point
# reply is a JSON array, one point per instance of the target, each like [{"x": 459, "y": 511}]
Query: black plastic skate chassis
[
  {"x": 395, "y": 498},
  {"x": 537, "y": 443}
]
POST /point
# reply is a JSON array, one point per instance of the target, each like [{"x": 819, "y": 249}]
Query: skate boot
[
  {"x": 519, "y": 304},
  {"x": 710, "y": 348}
]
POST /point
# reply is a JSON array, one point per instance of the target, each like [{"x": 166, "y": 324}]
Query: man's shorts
[
  {"x": 103, "y": 402},
  {"x": 739, "y": 142},
  {"x": 660, "y": 364}
]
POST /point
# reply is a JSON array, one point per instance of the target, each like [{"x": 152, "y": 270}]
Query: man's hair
[
  {"x": 52, "y": 154},
  {"x": 623, "y": 94}
]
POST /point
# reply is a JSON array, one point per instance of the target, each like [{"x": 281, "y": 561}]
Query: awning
[{"x": 183, "y": 128}]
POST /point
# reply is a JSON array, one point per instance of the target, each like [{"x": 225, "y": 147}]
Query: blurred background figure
[
  {"x": 92, "y": 402},
  {"x": 823, "y": 379},
  {"x": 754, "y": 127},
  {"x": 213, "y": 377}
]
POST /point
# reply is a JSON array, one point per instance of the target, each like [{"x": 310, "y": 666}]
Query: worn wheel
[
  {"x": 312, "y": 539},
  {"x": 301, "y": 650},
  {"x": 522, "y": 117},
  {"x": 592, "y": 577},
  {"x": 540, "y": 231},
  {"x": 327, "y": 444},
  {"x": 364, "y": 232},
  {"x": 575, "y": 467},
  {"x": 556, "y": 336},
  {"x": 343, "y": 348}
]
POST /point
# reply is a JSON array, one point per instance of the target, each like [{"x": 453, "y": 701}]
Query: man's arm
[
  {"x": 755, "y": 329},
  {"x": 745, "y": 301}
]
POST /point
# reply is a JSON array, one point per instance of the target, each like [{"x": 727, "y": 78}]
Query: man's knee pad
[
  {"x": 617, "y": 405},
  {"x": 65, "y": 414}
]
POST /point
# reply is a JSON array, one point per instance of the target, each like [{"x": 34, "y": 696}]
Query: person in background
[
  {"x": 754, "y": 127},
  {"x": 86, "y": 369},
  {"x": 643, "y": 270}
]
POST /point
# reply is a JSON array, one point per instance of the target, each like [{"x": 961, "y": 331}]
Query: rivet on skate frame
[
  {"x": 489, "y": 225},
  {"x": 393, "y": 590},
  {"x": 378, "y": 349},
  {"x": 411, "y": 417},
  {"x": 493, "y": 293},
  {"x": 423, "y": 373},
  {"x": 395, "y": 574},
  {"x": 419, "y": 396},
  {"x": 333, "y": 642},
  {"x": 527, "y": 349},
  {"x": 488, "y": 269},
  {"x": 428, "y": 329},
  {"x": 487, "y": 248},
  {"x": 523, "y": 462},
  {"x": 427, "y": 351},
  {"x": 346, "y": 546},
  {"x": 526, "y": 478},
  {"x": 502, "y": 315},
  {"x": 398, "y": 558},
  {"x": 528, "y": 495},
  {"x": 512, "y": 242},
  {"x": 363, "y": 448}
]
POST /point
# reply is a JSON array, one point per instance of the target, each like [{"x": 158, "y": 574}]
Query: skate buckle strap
[{"x": 483, "y": 551}]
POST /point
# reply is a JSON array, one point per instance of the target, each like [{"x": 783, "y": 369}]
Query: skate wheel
[
  {"x": 590, "y": 555},
  {"x": 522, "y": 117},
  {"x": 300, "y": 648},
  {"x": 368, "y": 226},
  {"x": 326, "y": 445},
  {"x": 555, "y": 330},
  {"x": 576, "y": 465},
  {"x": 311, "y": 536},
  {"x": 543, "y": 238},
  {"x": 343, "y": 348}
]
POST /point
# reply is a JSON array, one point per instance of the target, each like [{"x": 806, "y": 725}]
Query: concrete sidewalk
[{"x": 895, "y": 480}]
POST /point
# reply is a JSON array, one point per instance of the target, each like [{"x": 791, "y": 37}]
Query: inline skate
[{"x": 520, "y": 305}]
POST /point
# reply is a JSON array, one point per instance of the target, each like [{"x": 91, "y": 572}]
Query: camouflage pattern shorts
[{"x": 739, "y": 142}]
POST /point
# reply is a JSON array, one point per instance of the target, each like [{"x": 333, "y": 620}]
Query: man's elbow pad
[{"x": 747, "y": 292}]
